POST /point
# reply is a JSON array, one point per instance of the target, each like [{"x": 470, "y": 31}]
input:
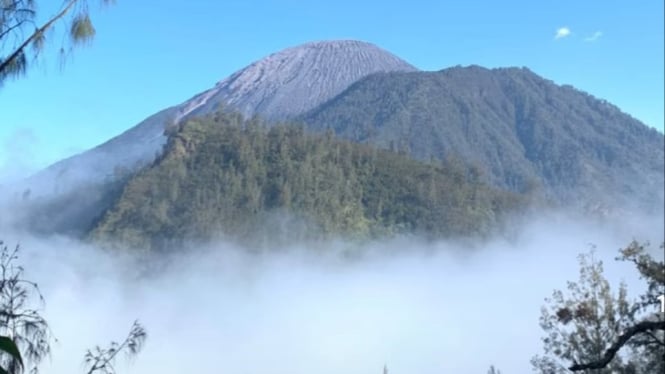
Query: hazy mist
[{"x": 446, "y": 307}]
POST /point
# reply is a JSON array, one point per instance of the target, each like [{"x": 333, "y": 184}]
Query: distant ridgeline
[{"x": 224, "y": 176}]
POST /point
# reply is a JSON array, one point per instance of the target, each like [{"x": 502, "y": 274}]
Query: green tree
[
  {"x": 646, "y": 337},
  {"x": 22, "y": 40},
  {"x": 586, "y": 327},
  {"x": 25, "y": 337},
  {"x": 20, "y": 321}
]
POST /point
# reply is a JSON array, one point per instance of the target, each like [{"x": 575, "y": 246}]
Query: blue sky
[{"x": 148, "y": 57}]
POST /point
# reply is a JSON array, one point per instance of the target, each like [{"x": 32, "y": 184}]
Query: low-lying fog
[{"x": 417, "y": 308}]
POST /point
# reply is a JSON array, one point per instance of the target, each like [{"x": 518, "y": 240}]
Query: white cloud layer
[
  {"x": 562, "y": 33},
  {"x": 447, "y": 307}
]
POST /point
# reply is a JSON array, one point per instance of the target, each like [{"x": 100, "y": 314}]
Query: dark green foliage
[
  {"x": 521, "y": 130},
  {"x": 8, "y": 347},
  {"x": 224, "y": 176}
]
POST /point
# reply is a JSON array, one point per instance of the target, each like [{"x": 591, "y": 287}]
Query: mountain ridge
[
  {"x": 520, "y": 127},
  {"x": 339, "y": 63}
]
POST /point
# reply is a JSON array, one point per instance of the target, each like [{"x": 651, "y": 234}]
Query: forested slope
[
  {"x": 223, "y": 176},
  {"x": 519, "y": 128}
]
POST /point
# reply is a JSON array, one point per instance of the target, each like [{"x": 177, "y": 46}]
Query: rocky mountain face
[
  {"x": 277, "y": 87},
  {"x": 521, "y": 130},
  {"x": 295, "y": 80}
]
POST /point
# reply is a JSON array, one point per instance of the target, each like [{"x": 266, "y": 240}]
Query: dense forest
[
  {"x": 222, "y": 175},
  {"x": 521, "y": 129}
]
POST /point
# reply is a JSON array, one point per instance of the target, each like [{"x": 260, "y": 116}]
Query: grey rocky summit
[{"x": 295, "y": 80}]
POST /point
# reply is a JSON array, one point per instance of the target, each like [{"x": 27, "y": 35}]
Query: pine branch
[
  {"x": 102, "y": 361},
  {"x": 9, "y": 60}
]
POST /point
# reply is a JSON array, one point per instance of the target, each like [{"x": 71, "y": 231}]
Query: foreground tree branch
[
  {"x": 4, "y": 64},
  {"x": 588, "y": 325},
  {"x": 101, "y": 359},
  {"x": 25, "y": 336},
  {"x": 641, "y": 327},
  {"x": 22, "y": 40}
]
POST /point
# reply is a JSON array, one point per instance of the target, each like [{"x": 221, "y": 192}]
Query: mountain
[
  {"x": 277, "y": 87},
  {"x": 223, "y": 176},
  {"x": 521, "y": 130},
  {"x": 517, "y": 130},
  {"x": 295, "y": 80}
]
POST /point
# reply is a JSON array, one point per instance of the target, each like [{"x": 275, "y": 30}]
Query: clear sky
[{"x": 147, "y": 57}]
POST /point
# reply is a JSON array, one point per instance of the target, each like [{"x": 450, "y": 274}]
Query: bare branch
[
  {"x": 638, "y": 328},
  {"x": 102, "y": 360}
]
